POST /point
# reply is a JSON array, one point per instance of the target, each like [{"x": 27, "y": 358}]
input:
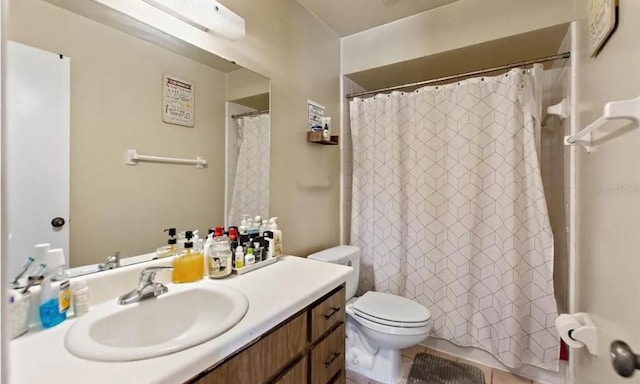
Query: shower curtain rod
[
  {"x": 254, "y": 113},
  {"x": 559, "y": 56}
]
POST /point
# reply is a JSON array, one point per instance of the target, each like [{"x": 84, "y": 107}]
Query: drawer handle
[
  {"x": 333, "y": 358},
  {"x": 333, "y": 311}
]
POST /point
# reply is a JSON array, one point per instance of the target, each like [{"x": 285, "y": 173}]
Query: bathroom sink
[{"x": 187, "y": 315}]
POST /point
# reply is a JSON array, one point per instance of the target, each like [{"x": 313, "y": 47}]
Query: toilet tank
[{"x": 345, "y": 255}]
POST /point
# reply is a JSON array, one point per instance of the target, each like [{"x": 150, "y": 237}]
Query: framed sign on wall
[
  {"x": 178, "y": 101},
  {"x": 603, "y": 18}
]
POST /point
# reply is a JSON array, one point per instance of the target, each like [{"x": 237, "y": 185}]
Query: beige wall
[
  {"x": 608, "y": 282},
  {"x": 552, "y": 167},
  {"x": 301, "y": 56},
  {"x": 244, "y": 83},
  {"x": 116, "y": 88},
  {"x": 456, "y": 25}
]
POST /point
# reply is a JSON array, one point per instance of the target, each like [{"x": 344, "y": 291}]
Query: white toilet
[{"x": 379, "y": 325}]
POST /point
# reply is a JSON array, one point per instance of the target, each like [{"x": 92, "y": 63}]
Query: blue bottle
[{"x": 51, "y": 312}]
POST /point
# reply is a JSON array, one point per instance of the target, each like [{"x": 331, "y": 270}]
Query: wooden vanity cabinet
[{"x": 307, "y": 348}]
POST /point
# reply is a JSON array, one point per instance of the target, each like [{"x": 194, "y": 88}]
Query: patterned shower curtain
[
  {"x": 449, "y": 210},
  {"x": 251, "y": 186}
]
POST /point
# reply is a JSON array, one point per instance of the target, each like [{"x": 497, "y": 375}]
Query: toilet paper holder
[{"x": 577, "y": 330}]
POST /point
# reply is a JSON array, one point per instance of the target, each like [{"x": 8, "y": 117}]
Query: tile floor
[{"x": 491, "y": 375}]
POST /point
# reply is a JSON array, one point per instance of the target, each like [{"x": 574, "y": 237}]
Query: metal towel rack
[
  {"x": 132, "y": 158},
  {"x": 613, "y": 110}
]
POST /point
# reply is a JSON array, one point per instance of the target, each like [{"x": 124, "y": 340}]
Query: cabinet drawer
[
  {"x": 327, "y": 358},
  {"x": 327, "y": 314},
  {"x": 296, "y": 374},
  {"x": 264, "y": 359},
  {"x": 341, "y": 378}
]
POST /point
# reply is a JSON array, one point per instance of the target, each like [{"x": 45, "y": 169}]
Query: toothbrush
[
  {"x": 25, "y": 268},
  {"x": 38, "y": 271}
]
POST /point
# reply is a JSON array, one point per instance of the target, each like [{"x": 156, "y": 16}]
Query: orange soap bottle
[{"x": 189, "y": 265}]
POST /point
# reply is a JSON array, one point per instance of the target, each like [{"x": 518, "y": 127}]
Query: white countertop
[{"x": 275, "y": 293}]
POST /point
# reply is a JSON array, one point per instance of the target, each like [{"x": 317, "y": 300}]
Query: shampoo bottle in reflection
[{"x": 189, "y": 265}]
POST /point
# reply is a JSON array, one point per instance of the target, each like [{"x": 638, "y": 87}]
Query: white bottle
[
  {"x": 207, "y": 253},
  {"x": 264, "y": 227},
  {"x": 242, "y": 229},
  {"x": 249, "y": 258},
  {"x": 326, "y": 128},
  {"x": 80, "y": 297},
  {"x": 239, "y": 257},
  {"x": 277, "y": 236}
]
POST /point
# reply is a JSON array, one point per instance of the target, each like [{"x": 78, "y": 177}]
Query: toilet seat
[
  {"x": 388, "y": 329},
  {"x": 390, "y": 314},
  {"x": 391, "y": 310}
]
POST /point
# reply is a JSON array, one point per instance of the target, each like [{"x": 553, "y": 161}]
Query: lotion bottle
[
  {"x": 80, "y": 295},
  {"x": 277, "y": 236},
  {"x": 249, "y": 258},
  {"x": 243, "y": 228},
  {"x": 239, "y": 257}
]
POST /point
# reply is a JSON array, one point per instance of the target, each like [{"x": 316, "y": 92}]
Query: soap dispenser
[
  {"x": 189, "y": 265},
  {"x": 277, "y": 236},
  {"x": 244, "y": 224},
  {"x": 170, "y": 249}
]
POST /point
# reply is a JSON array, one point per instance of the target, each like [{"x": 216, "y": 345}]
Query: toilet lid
[{"x": 392, "y": 310}]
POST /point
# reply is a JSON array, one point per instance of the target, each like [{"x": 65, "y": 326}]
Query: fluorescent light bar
[{"x": 207, "y": 15}]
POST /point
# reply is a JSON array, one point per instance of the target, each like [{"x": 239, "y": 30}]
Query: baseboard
[{"x": 476, "y": 355}]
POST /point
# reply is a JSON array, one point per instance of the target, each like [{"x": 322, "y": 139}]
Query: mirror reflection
[{"x": 82, "y": 94}]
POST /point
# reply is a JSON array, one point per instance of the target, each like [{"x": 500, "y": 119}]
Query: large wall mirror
[{"x": 80, "y": 95}]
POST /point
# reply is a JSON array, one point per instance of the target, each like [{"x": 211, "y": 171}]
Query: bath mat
[{"x": 431, "y": 369}]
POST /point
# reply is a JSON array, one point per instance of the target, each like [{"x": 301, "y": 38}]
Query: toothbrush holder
[{"x": 19, "y": 314}]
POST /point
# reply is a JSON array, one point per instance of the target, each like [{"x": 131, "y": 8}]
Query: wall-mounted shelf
[
  {"x": 316, "y": 138},
  {"x": 613, "y": 110}
]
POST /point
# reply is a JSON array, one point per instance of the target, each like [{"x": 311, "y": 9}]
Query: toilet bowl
[{"x": 379, "y": 325}]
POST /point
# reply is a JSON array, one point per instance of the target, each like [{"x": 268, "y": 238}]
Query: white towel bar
[
  {"x": 613, "y": 110},
  {"x": 132, "y": 158},
  {"x": 562, "y": 110}
]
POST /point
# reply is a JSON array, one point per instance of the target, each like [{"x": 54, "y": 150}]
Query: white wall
[
  {"x": 456, "y": 25},
  {"x": 346, "y": 161},
  {"x": 608, "y": 262},
  {"x": 4, "y": 257}
]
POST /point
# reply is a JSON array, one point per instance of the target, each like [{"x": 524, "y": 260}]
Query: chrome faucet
[
  {"x": 111, "y": 262},
  {"x": 147, "y": 288}
]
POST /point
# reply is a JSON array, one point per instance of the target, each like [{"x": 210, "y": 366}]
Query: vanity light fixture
[{"x": 207, "y": 15}]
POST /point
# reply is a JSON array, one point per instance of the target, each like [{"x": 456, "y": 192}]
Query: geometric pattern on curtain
[
  {"x": 251, "y": 188},
  {"x": 448, "y": 209}
]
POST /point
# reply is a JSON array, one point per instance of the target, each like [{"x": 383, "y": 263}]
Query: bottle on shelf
[
  {"x": 220, "y": 257},
  {"x": 249, "y": 258},
  {"x": 277, "y": 236},
  {"x": 244, "y": 224},
  {"x": 239, "y": 257},
  {"x": 264, "y": 227},
  {"x": 233, "y": 243}
]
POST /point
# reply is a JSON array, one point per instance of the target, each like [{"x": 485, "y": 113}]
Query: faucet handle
[{"x": 148, "y": 274}]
